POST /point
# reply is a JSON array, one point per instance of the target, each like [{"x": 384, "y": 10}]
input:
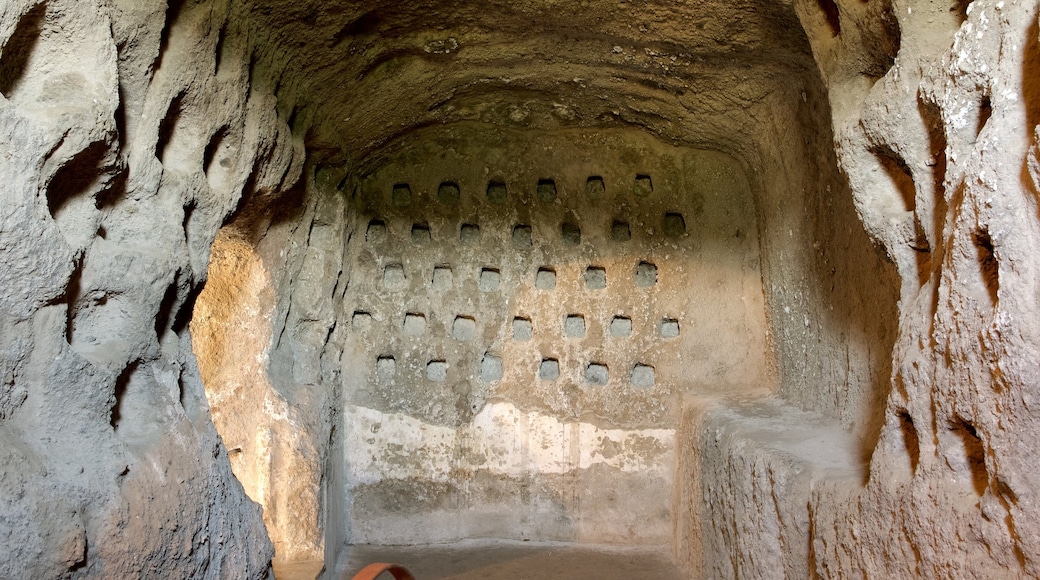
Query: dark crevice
[
  {"x": 1009, "y": 499},
  {"x": 328, "y": 335},
  {"x": 974, "y": 453},
  {"x": 72, "y": 295},
  {"x": 1005, "y": 492},
  {"x": 114, "y": 192},
  {"x": 166, "y": 308},
  {"x": 932, "y": 118},
  {"x": 184, "y": 313},
  {"x": 988, "y": 263},
  {"x": 985, "y": 112},
  {"x": 76, "y": 177},
  {"x": 657, "y": 84},
  {"x": 120, "y": 117},
  {"x": 899, "y": 172},
  {"x": 245, "y": 199},
  {"x": 959, "y": 8},
  {"x": 342, "y": 185},
  {"x": 911, "y": 440},
  {"x": 186, "y": 223},
  {"x": 830, "y": 13},
  {"x": 14, "y": 59},
  {"x": 218, "y": 58},
  {"x": 368, "y": 24},
  {"x": 254, "y": 64},
  {"x": 294, "y": 116},
  {"x": 284, "y": 326},
  {"x": 209, "y": 157},
  {"x": 168, "y": 126},
  {"x": 335, "y": 287},
  {"x": 120, "y": 393},
  {"x": 181, "y": 390},
  {"x": 1020, "y": 554},
  {"x": 885, "y": 42},
  {"x": 173, "y": 12}
]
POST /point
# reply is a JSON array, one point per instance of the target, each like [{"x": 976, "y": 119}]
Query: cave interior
[{"x": 736, "y": 287}]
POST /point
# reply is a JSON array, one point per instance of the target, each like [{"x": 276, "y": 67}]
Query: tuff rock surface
[{"x": 844, "y": 252}]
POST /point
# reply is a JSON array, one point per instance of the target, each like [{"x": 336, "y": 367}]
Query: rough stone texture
[
  {"x": 573, "y": 443},
  {"x": 890, "y": 154},
  {"x": 275, "y": 424},
  {"x": 938, "y": 142},
  {"x": 123, "y": 153},
  {"x": 953, "y": 478},
  {"x": 772, "y": 456}
]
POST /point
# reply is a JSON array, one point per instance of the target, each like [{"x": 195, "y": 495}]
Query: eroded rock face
[
  {"x": 954, "y": 120},
  {"x": 883, "y": 153},
  {"x": 125, "y": 148},
  {"x": 940, "y": 153}
]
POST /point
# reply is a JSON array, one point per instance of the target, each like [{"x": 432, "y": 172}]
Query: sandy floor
[
  {"x": 475, "y": 560},
  {"x": 298, "y": 570}
]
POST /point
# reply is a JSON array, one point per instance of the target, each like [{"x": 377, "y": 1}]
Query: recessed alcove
[
  {"x": 521, "y": 321},
  {"x": 507, "y": 334},
  {"x": 598, "y": 393}
]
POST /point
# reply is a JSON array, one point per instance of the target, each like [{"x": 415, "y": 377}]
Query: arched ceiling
[{"x": 362, "y": 74}]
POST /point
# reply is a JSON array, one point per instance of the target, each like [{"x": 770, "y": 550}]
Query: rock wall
[
  {"x": 131, "y": 131},
  {"x": 525, "y": 312},
  {"x": 934, "y": 111},
  {"x": 954, "y": 122},
  {"x": 262, "y": 330},
  {"x": 890, "y": 155}
]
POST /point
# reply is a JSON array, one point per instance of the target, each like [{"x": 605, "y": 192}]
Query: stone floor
[
  {"x": 473, "y": 560},
  {"x": 298, "y": 570}
]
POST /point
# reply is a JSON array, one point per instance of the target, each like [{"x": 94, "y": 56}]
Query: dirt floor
[{"x": 472, "y": 560}]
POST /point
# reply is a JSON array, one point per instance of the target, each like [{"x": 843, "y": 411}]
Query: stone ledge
[{"x": 758, "y": 464}]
